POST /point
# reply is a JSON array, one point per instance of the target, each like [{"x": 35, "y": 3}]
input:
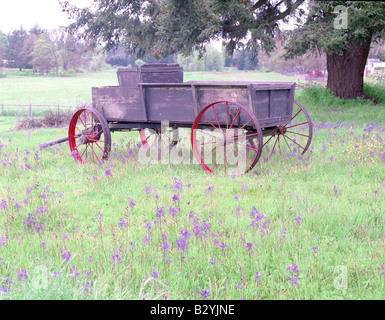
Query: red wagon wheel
[
  {"x": 89, "y": 136},
  {"x": 292, "y": 138},
  {"x": 226, "y": 137}
]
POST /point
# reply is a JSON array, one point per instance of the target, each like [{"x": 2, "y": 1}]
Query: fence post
[
  {"x": 58, "y": 109},
  {"x": 2, "y": 110},
  {"x": 30, "y": 110}
]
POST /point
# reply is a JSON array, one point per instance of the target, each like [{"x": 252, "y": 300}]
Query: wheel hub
[{"x": 281, "y": 130}]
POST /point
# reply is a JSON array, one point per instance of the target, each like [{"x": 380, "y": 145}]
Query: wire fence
[{"x": 31, "y": 110}]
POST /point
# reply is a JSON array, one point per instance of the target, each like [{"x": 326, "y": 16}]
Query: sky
[{"x": 27, "y": 13}]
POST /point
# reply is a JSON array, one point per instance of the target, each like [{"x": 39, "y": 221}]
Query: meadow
[{"x": 297, "y": 227}]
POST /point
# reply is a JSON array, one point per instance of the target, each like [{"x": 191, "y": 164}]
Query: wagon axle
[{"x": 90, "y": 135}]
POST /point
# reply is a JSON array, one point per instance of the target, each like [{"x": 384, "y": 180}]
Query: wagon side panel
[
  {"x": 273, "y": 103},
  {"x": 119, "y": 103},
  {"x": 169, "y": 103}
]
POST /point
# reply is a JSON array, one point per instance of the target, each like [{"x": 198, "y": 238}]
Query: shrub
[{"x": 50, "y": 119}]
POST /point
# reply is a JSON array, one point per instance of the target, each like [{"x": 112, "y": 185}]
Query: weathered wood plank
[
  {"x": 119, "y": 103},
  {"x": 174, "y": 103}
]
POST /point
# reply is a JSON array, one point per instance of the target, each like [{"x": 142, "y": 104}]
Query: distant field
[{"x": 53, "y": 90}]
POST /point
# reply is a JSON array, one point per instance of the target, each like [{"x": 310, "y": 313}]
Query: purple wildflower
[
  {"x": 181, "y": 243},
  {"x": 22, "y": 275},
  {"x": 293, "y": 268},
  {"x": 132, "y": 204},
  {"x": 294, "y": 272},
  {"x": 257, "y": 276},
  {"x": 165, "y": 246},
  {"x": 2, "y": 242},
  {"x": 107, "y": 173},
  {"x": 298, "y": 220},
  {"x": 122, "y": 224},
  {"x": 175, "y": 198},
  {"x": 38, "y": 227},
  {"x": 4, "y": 289},
  {"x": 159, "y": 212},
  {"x": 204, "y": 293},
  {"x": 146, "y": 239},
  {"x": 178, "y": 185},
  {"x": 154, "y": 274},
  {"x": 115, "y": 258},
  {"x": 148, "y": 226},
  {"x": 208, "y": 190},
  {"x": 3, "y": 204},
  {"x": 66, "y": 255}
]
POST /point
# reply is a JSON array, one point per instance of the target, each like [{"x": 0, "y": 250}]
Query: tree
[
  {"x": 4, "y": 45},
  {"x": 211, "y": 60},
  {"x": 43, "y": 59},
  {"x": 344, "y": 30},
  {"x": 165, "y": 27},
  {"x": 243, "y": 60},
  {"x": 16, "y": 43}
]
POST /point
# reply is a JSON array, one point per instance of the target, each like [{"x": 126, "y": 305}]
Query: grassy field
[{"x": 296, "y": 227}]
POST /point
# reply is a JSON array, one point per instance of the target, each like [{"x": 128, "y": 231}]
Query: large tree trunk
[{"x": 346, "y": 71}]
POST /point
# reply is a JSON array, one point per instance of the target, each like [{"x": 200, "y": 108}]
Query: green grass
[
  {"x": 54, "y": 90},
  {"x": 330, "y": 198},
  {"x": 237, "y": 76}
]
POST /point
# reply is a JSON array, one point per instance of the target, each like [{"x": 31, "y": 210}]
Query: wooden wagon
[{"x": 230, "y": 122}]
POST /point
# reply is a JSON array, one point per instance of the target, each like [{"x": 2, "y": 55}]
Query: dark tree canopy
[{"x": 164, "y": 27}]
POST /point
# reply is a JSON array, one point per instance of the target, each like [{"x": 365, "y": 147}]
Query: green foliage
[
  {"x": 163, "y": 28},
  {"x": 211, "y": 60},
  {"x": 42, "y": 59},
  {"x": 15, "y": 47},
  {"x": 365, "y": 23}
]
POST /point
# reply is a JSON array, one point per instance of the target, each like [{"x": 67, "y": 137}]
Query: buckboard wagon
[{"x": 231, "y": 122}]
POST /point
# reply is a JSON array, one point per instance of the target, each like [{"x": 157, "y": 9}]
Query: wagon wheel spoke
[
  {"x": 297, "y": 134},
  {"x": 236, "y": 150},
  {"x": 82, "y": 142},
  {"x": 285, "y": 138},
  {"x": 153, "y": 140}
]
